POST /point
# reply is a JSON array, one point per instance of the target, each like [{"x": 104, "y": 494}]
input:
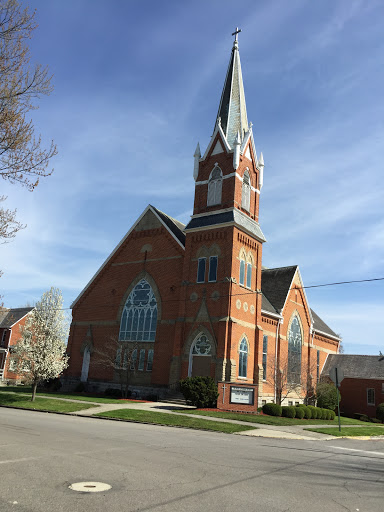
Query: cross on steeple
[{"x": 237, "y": 31}]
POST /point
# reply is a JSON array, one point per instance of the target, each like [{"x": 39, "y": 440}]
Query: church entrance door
[
  {"x": 201, "y": 366},
  {"x": 200, "y": 357}
]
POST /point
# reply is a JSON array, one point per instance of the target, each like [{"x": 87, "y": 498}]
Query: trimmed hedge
[
  {"x": 300, "y": 413},
  {"x": 314, "y": 411},
  {"x": 307, "y": 411},
  {"x": 289, "y": 411},
  {"x": 272, "y": 409}
]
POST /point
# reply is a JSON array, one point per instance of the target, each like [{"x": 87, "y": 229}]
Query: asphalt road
[{"x": 152, "y": 468}]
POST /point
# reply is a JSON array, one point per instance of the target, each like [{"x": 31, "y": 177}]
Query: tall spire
[{"x": 232, "y": 109}]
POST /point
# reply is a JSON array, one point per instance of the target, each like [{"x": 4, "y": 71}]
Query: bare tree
[
  {"x": 9, "y": 226},
  {"x": 120, "y": 357},
  {"x": 292, "y": 376}
]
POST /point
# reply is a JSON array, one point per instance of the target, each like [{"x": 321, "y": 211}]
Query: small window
[
  {"x": 133, "y": 359},
  {"x": 141, "y": 360},
  {"x": 201, "y": 270},
  {"x": 214, "y": 187},
  {"x": 243, "y": 356},
  {"x": 370, "y": 396},
  {"x": 290, "y": 402},
  {"x": 249, "y": 275},
  {"x": 382, "y": 388},
  {"x": 118, "y": 358},
  {"x": 246, "y": 192},
  {"x": 318, "y": 366},
  {"x": 297, "y": 403},
  {"x": 242, "y": 272},
  {"x": 150, "y": 360},
  {"x": 212, "y": 277},
  {"x": 263, "y": 402},
  {"x": 265, "y": 355},
  {"x": 3, "y": 338}
]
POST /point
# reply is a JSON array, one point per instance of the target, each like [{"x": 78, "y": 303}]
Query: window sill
[{"x": 242, "y": 378}]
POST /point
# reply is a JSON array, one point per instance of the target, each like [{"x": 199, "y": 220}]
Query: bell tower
[{"x": 220, "y": 300}]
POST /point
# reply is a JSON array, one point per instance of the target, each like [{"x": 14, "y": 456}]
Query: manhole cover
[{"x": 90, "y": 487}]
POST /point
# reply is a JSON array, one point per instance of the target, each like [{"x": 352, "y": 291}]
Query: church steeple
[{"x": 232, "y": 112}]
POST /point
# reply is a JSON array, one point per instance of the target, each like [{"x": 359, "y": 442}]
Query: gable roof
[
  {"x": 355, "y": 366},
  {"x": 173, "y": 226},
  {"x": 275, "y": 284},
  {"x": 9, "y": 317},
  {"x": 320, "y": 325},
  {"x": 267, "y": 306}
]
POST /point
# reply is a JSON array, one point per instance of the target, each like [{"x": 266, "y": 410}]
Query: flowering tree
[{"x": 40, "y": 353}]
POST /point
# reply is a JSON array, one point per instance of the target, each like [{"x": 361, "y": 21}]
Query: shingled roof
[
  {"x": 275, "y": 284},
  {"x": 355, "y": 366},
  {"x": 174, "y": 225},
  {"x": 320, "y": 325},
  {"x": 9, "y": 317}
]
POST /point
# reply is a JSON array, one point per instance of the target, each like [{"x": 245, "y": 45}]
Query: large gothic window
[
  {"x": 294, "y": 351},
  {"x": 215, "y": 184},
  {"x": 246, "y": 192},
  {"x": 139, "y": 318}
]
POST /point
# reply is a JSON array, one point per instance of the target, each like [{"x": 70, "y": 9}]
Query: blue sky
[{"x": 138, "y": 84}]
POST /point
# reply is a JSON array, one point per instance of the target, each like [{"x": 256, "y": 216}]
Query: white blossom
[{"x": 40, "y": 353}]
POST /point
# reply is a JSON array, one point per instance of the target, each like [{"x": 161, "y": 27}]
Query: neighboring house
[
  {"x": 362, "y": 388},
  {"x": 195, "y": 299},
  {"x": 10, "y": 322}
]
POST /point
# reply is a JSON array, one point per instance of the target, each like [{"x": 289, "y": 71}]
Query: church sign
[{"x": 241, "y": 395}]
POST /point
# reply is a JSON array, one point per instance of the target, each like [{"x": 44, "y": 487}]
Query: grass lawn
[
  {"x": 270, "y": 420},
  {"x": 46, "y": 404},
  {"x": 351, "y": 431},
  {"x": 70, "y": 396},
  {"x": 176, "y": 420}
]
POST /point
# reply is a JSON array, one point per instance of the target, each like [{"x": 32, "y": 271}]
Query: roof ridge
[
  {"x": 279, "y": 268},
  {"x": 166, "y": 214}
]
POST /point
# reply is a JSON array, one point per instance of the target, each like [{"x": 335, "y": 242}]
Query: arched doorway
[{"x": 200, "y": 357}]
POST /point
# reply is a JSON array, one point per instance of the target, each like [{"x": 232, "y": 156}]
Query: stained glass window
[
  {"x": 249, "y": 275},
  {"x": 265, "y": 355},
  {"x": 243, "y": 356},
  {"x": 139, "y": 318},
  {"x": 150, "y": 360},
  {"x": 294, "y": 351},
  {"x": 202, "y": 346}
]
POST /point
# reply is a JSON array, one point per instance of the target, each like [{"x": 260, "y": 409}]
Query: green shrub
[
  {"x": 199, "y": 391},
  {"x": 375, "y": 420},
  {"x": 380, "y": 412},
  {"x": 307, "y": 411},
  {"x": 80, "y": 388},
  {"x": 326, "y": 396},
  {"x": 113, "y": 392},
  {"x": 364, "y": 417},
  {"x": 314, "y": 411},
  {"x": 333, "y": 415},
  {"x": 272, "y": 409},
  {"x": 289, "y": 411},
  {"x": 300, "y": 413}
]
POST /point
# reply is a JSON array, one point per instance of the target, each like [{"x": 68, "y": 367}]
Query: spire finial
[{"x": 235, "y": 33}]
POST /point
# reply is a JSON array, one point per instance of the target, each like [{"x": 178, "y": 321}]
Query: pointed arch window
[
  {"x": 246, "y": 192},
  {"x": 139, "y": 318},
  {"x": 215, "y": 185},
  {"x": 294, "y": 351},
  {"x": 243, "y": 358}
]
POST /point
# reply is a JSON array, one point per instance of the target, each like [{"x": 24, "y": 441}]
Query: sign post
[{"x": 336, "y": 374}]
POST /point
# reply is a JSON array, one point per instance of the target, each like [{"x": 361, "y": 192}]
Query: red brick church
[{"x": 195, "y": 299}]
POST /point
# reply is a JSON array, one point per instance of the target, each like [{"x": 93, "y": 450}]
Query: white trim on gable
[
  {"x": 305, "y": 295},
  {"x": 148, "y": 208},
  {"x": 218, "y": 129},
  {"x": 19, "y": 320}
]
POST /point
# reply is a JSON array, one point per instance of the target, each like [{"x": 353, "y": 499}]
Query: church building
[{"x": 195, "y": 299}]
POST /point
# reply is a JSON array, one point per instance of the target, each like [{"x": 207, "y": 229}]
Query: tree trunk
[{"x": 34, "y": 387}]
